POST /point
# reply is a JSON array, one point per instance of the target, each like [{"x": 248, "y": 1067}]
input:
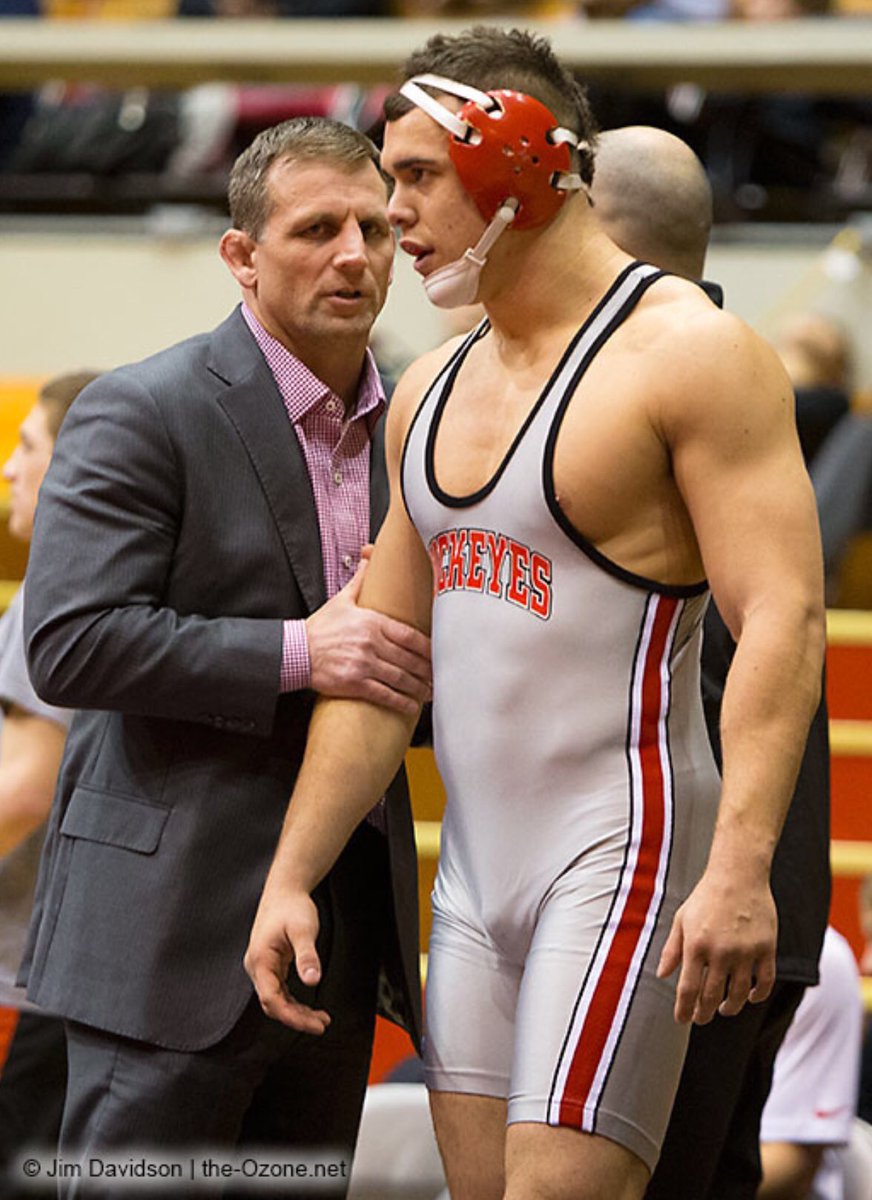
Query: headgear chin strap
[
  {"x": 512, "y": 158},
  {"x": 456, "y": 284}
]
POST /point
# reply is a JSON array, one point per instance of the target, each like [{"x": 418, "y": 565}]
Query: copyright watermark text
[{"x": 263, "y": 1170}]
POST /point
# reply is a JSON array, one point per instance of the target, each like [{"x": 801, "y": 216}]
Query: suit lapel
[
  {"x": 253, "y": 405},
  {"x": 378, "y": 480}
]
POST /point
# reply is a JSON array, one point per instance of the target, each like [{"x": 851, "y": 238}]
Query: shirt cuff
[{"x": 296, "y": 667}]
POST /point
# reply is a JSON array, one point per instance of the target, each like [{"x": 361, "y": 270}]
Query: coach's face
[{"x": 321, "y": 266}]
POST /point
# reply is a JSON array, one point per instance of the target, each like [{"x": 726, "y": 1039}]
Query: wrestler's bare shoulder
[
  {"x": 415, "y": 380},
  {"x": 675, "y": 316},
  {"x": 693, "y": 349}
]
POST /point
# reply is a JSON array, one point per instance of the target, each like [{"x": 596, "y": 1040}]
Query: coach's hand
[
  {"x": 358, "y": 654},
  {"x": 283, "y": 935},
  {"x": 723, "y": 938}
]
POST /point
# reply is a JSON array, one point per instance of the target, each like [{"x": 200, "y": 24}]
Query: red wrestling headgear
[{"x": 504, "y": 145}]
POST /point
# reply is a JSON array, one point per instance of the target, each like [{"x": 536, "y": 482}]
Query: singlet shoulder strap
[{"x": 441, "y": 385}]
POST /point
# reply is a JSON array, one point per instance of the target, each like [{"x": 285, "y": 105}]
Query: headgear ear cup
[
  {"x": 516, "y": 155},
  {"x": 503, "y": 144}
]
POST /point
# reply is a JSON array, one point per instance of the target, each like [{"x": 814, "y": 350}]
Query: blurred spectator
[
  {"x": 809, "y": 1116},
  {"x": 80, "y": 128},
  {"x": 175, "y": 137},
  {"x": 779, "y": 10},
  {"x": 33, "y": 1075},
  {"x": 658, "y": 10},
  {"x": 815, "y": 350},
  {"x": 817, "y": 355},
  {"x": 842, "y": 478},
  {"x": 704, "y": 10},
  {"x": 15, "y": 107},
  {"x": 217, "y": 120},
  {"x": 792, "y": 157},
  {"x": 837, "y": 443}
]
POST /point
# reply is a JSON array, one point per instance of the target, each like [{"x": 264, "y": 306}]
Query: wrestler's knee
[{"x": 545, "y": 1162}]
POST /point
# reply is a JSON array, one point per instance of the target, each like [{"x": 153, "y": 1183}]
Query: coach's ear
[{"x": 239, "y": 251}]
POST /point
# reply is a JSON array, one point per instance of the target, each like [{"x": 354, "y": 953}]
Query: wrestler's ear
[{"x": 238, "y": 249}]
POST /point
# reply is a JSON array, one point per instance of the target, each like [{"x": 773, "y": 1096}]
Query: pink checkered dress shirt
[{"x": 336, "y": 450}]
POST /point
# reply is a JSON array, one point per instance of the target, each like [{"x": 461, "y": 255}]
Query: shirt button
[
  {"x": 331, "y": 406},
  {"x": 337, "y": 477},
  {"x": 348, "y": 562}
]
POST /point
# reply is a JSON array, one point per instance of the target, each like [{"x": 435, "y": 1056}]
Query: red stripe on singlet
[{"x": 614, "y": 977}]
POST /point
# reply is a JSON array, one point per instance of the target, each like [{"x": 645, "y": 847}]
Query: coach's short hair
[{"x": 301, "y": 139}]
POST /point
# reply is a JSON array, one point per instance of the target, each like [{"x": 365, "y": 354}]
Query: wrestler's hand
[
  {"x": 283, "y": 935},
  {"x": 358, "y": 654},
  {"x": 723, "y": 938}
]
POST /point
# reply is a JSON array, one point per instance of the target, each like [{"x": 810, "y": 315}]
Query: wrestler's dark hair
[
  {"x": 57, "y": 394},
  {"x": 301, "y": 139},
  {"x": 489, "y": 58}
]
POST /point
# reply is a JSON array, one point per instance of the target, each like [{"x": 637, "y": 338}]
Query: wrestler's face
[
  {"x": 25, "y": 469},
  {"x": 436, "y": 217},
  {"x": 321, "y": 265}
]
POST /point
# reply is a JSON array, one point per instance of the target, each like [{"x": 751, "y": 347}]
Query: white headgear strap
[{"x": 413, "y": 89}]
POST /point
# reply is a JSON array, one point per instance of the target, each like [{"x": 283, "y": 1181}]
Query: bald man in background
[
  {"x": 651, "y": 193},
  {"x": 653, "y": 196}
]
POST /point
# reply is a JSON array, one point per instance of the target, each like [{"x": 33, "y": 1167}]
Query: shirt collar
[{"x": 301, "y": 390}]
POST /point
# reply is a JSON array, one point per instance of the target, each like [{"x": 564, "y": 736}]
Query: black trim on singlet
[
  {"x": 575, "y": 535},
  {"x": 449, "y": 368},
  {"x": 429, "y": 453}
]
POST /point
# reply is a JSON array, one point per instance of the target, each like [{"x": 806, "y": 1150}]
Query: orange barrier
[
  {"x": 8, "y": 1023},
  {"x": 849, "y": 669}
]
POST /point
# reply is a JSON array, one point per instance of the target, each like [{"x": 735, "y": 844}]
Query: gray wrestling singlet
[{"x": 569, "y": 733}]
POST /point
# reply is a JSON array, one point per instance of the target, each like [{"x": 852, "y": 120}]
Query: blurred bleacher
[{"x": 712, "y": 82}]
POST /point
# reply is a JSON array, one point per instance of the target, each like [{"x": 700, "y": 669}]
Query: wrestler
[{"x": 568, "y": 482}]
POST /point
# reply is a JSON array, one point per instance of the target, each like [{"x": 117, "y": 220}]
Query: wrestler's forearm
[
  {"x": 771, "y": 694},
  {"x": 354, "y": 750},
  {"x": 724, "y": 935}
]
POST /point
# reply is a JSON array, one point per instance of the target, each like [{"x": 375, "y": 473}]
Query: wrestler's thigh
[
  {"x": 472, "y": 994},
  {"x": 597, "y": 1047}
]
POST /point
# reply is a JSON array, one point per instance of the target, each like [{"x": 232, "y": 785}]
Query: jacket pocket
[{"x": 114, "y": 820}]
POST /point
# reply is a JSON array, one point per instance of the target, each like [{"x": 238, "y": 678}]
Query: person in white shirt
[{"x": 810, "y": 1112}]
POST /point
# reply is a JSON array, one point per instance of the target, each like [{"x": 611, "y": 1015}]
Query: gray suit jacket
[{"x": 176, "y": 528}]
